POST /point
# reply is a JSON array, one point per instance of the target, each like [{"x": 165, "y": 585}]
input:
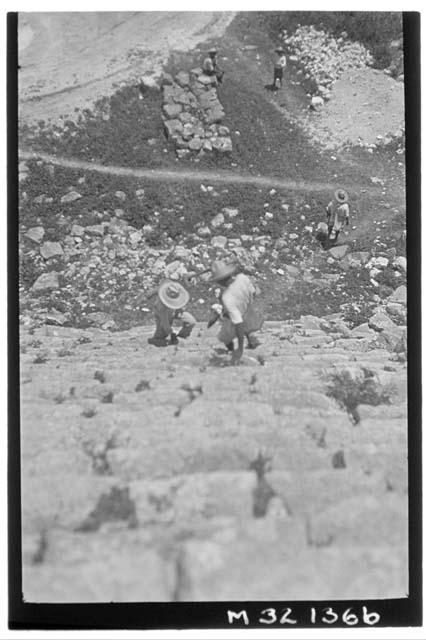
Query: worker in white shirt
[
  {"x": 337, "y": 214},
  {"x": 279, "y": 66},
  {"x": 239, "y": 317},
  {"x": 211, "y": 68}
]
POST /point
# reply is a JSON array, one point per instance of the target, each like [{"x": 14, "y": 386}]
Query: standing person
[
  {"x": 337, "y": 213},
  {"x": 279, "y": 66},
  {"x": 239, "y": 318},
  {"x": 171, "y": 298},
  {"x": 211, "y": 68}
]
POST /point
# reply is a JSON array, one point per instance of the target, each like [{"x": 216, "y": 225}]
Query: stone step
[{"x": 241, "y": 569}]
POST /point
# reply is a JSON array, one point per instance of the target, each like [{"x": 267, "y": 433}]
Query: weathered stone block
[
  {"x": 46, "y": 281},
  {"x": 172, "y": 110}
]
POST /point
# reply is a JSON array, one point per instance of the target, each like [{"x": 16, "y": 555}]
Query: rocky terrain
[{"x": 284, "y": 475}]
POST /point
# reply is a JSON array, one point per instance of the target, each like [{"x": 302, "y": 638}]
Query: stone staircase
[{"x": 162, "y": 475}]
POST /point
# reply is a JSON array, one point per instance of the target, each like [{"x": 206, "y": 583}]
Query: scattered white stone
[
  {"x": 339, "y": 252},
  {"x": 95, "y": 230},
  {"x": 46, "y": 281},
  {"x": 399, "y": 295},
  {"x": 175, "y": 270},
  {"x": 269, "y": 215},
  {"x": 230, "y": 213},
  {"x": 400, "y": 263},
  {"x": 71, "y": 196},
  {"x": 376, "y": 180},
  {"x": 51, "y": 249},
  {"x": 203, "y": 231},
  {"x": 135, "y": 237},
  {"x": 218, "y": 220},
  {"x": 317, "y": 103},
  {"x": 36, "y": 234},
  {"x": 219, "y": 242},
  {"x": 374, "y": 272}
]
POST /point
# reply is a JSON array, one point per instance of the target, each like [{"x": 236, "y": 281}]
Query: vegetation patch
[{"x": 351, "y": 390}]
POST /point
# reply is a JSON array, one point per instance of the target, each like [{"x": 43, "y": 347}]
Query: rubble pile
[
  {"x": 324, "y": 58},
  {"x": 82, "y": 266},
  {"x": 193, "y": 114}
]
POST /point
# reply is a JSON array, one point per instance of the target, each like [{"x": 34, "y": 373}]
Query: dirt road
[{"x": 69, "y": 60}]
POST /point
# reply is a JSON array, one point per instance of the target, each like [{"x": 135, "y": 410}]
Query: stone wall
[{"x": 193, "y": 114}]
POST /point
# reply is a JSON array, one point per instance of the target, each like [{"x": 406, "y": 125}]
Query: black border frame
[{"x": 403, "y": 612}]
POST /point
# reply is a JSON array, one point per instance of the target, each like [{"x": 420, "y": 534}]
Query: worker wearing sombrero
[
  {"x": 210, "y": 66},
  {"x": 171, "y": 298},
  {"x": 337, "y": 213},
  {"x": 239, "y": 317},
  {"x": 279, "y": 66}
]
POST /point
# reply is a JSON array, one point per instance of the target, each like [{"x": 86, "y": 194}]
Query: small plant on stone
[
  {"x": 89, "y": 413},
  {"x": 98, "y": 453},
  {"x": 400, "y": 349},
  {"x": 108, "y": 397},
  {"x": 263, "y": 492},
  {"x": 355, "y": 314},
  {"x": 35, "y": 344},
  {"x": 142, "y": 385},
  {"x": 350, "y": 391},
  {"x": 41, "y": 358},
  {"x": 62, "y": 353},
  {"x": 40, "y": 553}
]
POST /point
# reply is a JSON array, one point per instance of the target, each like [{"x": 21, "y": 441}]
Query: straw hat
[
  {"x": 341, "y": 195},
  {"x": 173, "y": 295},
  {"x": 221, "y": 270},
  {"x": 213, "y": 50},
  {"x": 279, "y": 50}
]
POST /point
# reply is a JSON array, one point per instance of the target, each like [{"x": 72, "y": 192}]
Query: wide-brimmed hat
[
  {"x": 341, "y": 195},
  {"x": 221, "y": 270},
  {"x": 173, "y": 295},
  {"x": 212, "y": 50},
  {"x": 279, "y": 50}
]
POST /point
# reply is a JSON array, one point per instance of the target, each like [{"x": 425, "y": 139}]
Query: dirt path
[
  {"x": 184, "y": 175},
  {"x": 69, "y": 60}
]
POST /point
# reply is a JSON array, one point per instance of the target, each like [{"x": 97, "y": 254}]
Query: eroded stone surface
[{"x": 136, "y": 480}]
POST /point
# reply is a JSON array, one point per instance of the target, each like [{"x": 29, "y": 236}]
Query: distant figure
[
  {"x": 171, "y": 298},
  {"x": 239, "y": 318},
  {"x": 337, "y": 213},
  {"x": 211, "y": 68},
  {"x": 279, "y": 66}
]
